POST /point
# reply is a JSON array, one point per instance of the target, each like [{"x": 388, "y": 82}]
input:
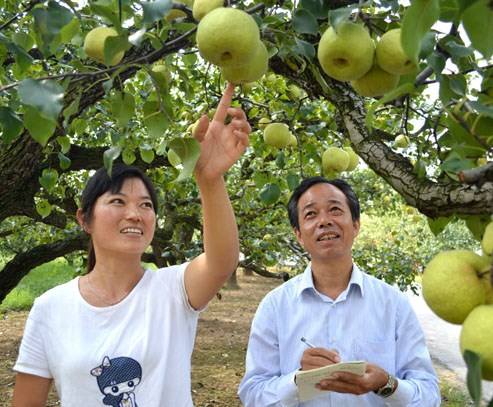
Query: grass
[
  {"x": 35, "y": 283},
  {"x": 453, "y": 395}
]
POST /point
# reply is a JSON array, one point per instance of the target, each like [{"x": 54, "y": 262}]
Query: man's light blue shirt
[{"x": 370, "y": 320}]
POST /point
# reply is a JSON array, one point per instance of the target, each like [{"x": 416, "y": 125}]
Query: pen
[{"x": 305, "y": 341}]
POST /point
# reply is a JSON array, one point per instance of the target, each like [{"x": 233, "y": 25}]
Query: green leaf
[
  {"x": 40, "y": 128},
  {"x": 69, "y": 31},
  {"x": 113, "y": 46},
  {"x": 147, "y": 154},
  {"x": 305, "y": 48},
  {"x": 270, "y": 193},
  {"x": 473, "y": 362},
  {"x": 338, "y": 16},
  {"x": 417, "y": 21},
  {"x": 438, "y": 225},
  {"x": 49, "y": 22},
  {"x": 188, "y": 149},
  {"x": 10, "y": 123},
  {"x": 128, "y": 156},
  {"x": 43, "y": 207},
  {"x": 304, "y": 22},
  {"x": 110, "y": 156},
  {"x": 64, "y": 161},
  {"x": 23, "y": 40},
  {"x": 155, "y": 10},
  {"x": 464, "y": 4},
  {"x": 449, "y": 10},
  {"x": 445, "y": 92},
  {"x": 122, "y": 107},
  {"x": 293, "y": 180},
  {"x": 281, "y": 160},
  {"x": 104, "y": 10},
  {"x": 48, "y": 178},
  {"x": 436, "y": 61},
  {"x": 477, "y": 224},
  {"x": 155, "y": 120},
  {"x": 478, "y": 23},
  {"x": 458, "y": 84},
  {"x": 46, "y": 96},
  {"x": 319, "y": 8}
]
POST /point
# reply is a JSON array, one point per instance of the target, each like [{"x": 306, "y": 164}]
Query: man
[{"x": 345, "y": 313}]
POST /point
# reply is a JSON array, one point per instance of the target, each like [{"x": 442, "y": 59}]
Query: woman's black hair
[
  {"x": 307, "y": 183},
  {"x": 101, "y": 183}
]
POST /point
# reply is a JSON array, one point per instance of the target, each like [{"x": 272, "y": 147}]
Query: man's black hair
[{"x": 307, "y": 183}]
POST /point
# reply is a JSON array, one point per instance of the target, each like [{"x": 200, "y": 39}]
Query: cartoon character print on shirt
[{"x": 117, "y": 379}]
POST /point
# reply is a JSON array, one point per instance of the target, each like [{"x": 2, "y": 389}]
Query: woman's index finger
[{"x": 224, "y": 103}]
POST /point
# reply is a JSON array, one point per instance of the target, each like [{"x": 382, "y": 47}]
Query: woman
[{"x": 121, "y": 335}]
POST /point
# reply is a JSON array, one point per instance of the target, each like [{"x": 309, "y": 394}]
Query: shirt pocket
[{"x": 377, "y": 352}]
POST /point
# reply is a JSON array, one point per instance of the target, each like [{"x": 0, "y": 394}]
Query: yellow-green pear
[
  {"x": 335, "y": 159},
  {"x": 202, "y": 7},
  {"x": 376, "y": 82},
  {"x": 193, "y": 127},
  {"x": 401, "y": 141},
  {"x": 488, "y": 289},
  {"x": 347, "y": 54},
  {"x": 263, "y": 122},
  {"x": 277, "y": 135},
  {"x": 293, "y": 141},
  {"x": 353, "y": 159},
  {"x": 228, "y": 36},
  {"x": 452, "y": 284},
  {"x": 390, "y": 55},
  {"x": 161, "y": 74},
  {"x": 487, "y": 241},
  {"x": 251, "y": 71},
  {"x": 176, "y": 13},
  {"x": 94, "y": 44},
  {"x": 476, "y": 335}
]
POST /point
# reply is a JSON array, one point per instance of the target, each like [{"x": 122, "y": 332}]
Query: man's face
[{"x": 326, "y": 230}]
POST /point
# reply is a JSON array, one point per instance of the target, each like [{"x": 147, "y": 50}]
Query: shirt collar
[{"x": 306, "y": 281}]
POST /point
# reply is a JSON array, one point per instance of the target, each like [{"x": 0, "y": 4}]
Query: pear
[
  {"x": 228, "y": 37},
  {"x": 161, "y": 74},
  {"x": 335, "y": 159},
  {"x": 277, "y": 135},
  {"x": 476, "y": 335},
  {"x": 347, "y": 54},
  {"x": 176, "y": 13},
  {"x": 293, "y": 141},
  {"x": 376, "y": 82},
  {"x": 452, "y": 284},
  {"x": 487, "y": 241},
  {"x": 263, "y": 122},
  {"x": 250, "y": 72},
  {"x": 401, "y": 141},
  {"x": 390, "y": 55},
  {"x": 94, "y": 44},
  {"x": 353, "y": 159},
  {"x": 202, "y": 7}
]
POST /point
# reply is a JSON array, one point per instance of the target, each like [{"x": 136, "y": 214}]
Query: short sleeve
[{"x": 32, "y": 358}]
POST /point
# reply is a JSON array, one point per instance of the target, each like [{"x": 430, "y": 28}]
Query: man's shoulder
[
  {"x": 379, "y": 286},
  {"x": 288, "y": 289}
]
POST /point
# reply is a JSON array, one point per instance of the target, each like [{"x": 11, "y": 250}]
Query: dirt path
[{"x": 218, "y": 360}]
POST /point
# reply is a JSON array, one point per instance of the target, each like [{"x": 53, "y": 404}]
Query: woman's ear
[{"x": 80, "y": 218}]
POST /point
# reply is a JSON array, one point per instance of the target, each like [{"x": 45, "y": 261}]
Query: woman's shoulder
[{"x": 58, "y": 294}]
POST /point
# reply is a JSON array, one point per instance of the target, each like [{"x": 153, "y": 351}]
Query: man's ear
[
  {"x": 80, "y": 219},
  {"x": 297, "y": 233},
  {"x": 356, "y": 226}
]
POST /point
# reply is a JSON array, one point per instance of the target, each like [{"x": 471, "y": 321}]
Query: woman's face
[{"x": 123, "y": 222}]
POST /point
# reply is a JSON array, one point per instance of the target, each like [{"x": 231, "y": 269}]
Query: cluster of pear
[
  {"x": 457, "y": 287},
  {"x": 230, "y": 38},
  {"x": 277, "y": 135},
  {"x": 335, "y": 160},
  {"x": 350, "y": 54}
]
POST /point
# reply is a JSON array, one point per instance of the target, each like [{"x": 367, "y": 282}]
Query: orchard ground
[{"x": 218, "y": 360}]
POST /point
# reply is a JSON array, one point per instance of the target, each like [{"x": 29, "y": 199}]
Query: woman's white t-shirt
[{"x": 134, "y": 353}]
